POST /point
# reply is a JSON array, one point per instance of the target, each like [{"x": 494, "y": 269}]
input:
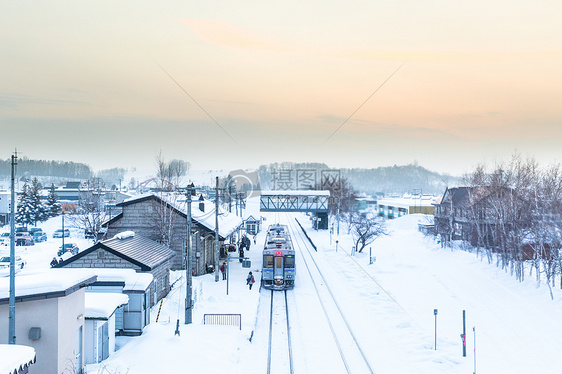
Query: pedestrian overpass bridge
[{"x": 312, "y": 201}]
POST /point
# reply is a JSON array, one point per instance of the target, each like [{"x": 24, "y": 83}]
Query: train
[{"x": 278, "y": 269}]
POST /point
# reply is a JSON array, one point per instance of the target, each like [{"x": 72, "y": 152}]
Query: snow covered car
[
  {"x": 5, "y": 240},
  {"x": 23, "y": 238},
  {"x": 68, "y": 247},
  {"x": 5, "y": 265},
  {"x": 60, "y": 232}
]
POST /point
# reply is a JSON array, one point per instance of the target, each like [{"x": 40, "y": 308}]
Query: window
[
  {"x": 289, "y": 261},
  {"x": 268, "y": 261}
]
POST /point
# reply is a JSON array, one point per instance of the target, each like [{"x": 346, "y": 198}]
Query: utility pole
[
  {"x": 339, "y": 202},
  {"x": 12, "y": 301},
  {"x": 217, "y": 230},
  {"x": 190, "y": 190},
  {"x": 435, "y": 314},
  {"x": 463, "y": 335}
]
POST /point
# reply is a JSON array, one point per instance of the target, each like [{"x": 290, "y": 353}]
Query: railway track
[
  {"x": 279, "y": 352},
  {"x": 352, "y": 356}
]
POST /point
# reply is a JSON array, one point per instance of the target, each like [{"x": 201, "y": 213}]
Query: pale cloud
[
  {"x": 228, "y": 35},
  {"x": 231, "y": 36}
]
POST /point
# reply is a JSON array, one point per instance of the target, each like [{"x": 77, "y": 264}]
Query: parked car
[
  {"x": 33, "y": 230},
  {"x": 23, "y": 238},
  {"x": 39, "y": 236},
  {"x": 88, "y": 234},
  {"x": 21, "y": 229},
  {"x": 5, "y": 234},
  {"x": 5, "y": 265},
  {"x": 5, "y": 240},
  {"x": 68, "y": 247},
  {"x": 60, "y": 232}
]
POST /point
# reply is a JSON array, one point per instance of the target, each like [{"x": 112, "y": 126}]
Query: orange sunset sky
[{"x": 234, "y": 84}]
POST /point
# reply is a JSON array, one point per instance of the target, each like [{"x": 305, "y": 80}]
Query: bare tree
[
  {"x": 169, "y": 178},
  {"x": 90, "y": 211},
  {"x": 366, "y": 230}
]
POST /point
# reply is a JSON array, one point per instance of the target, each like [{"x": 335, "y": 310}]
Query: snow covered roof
[
  {"x": 101, "y": 305},
  {"x": 133, "y": 281},
  {"x": 15, "y": 358},
  {"x": 136, "y": 249},
  {"x": 228, "y": 222},
  {"x": 54, "y": 282}
]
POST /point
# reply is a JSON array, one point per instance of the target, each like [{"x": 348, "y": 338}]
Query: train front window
[
  {"x": 289, "y": 261},
  {"x": 267, "y": 261}
]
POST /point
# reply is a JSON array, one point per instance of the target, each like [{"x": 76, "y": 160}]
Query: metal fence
[{"x": 223, "y": 319}]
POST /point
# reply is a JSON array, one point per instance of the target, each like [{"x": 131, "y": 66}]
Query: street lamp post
[{"x": 62, "y": 248}]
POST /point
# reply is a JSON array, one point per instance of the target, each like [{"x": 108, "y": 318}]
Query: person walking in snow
[
  {"x": 250, "y": 280},
  {"x": 241, "y": 253},
  {"x": 223, "y": 271},
  {"x": 246, "y": 242}
]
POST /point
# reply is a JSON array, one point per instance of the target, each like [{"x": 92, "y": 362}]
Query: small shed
[
  {"x": 130, "y": 319},
  {"x": 99, "y": 324},
  {"x": 128, "y": 250},
  {"x": 252, "y": 225}
]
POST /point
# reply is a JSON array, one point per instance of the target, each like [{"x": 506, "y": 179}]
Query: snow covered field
[{"x": 390, "y": 304}]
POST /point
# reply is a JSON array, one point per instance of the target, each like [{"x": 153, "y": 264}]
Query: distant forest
[
  {"x": 376, "y": 181},
  {"x": 52, "y": 171},
  {"x": 43, "y": 168}
]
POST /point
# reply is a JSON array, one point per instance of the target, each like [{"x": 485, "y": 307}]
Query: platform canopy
[{"x": 294, "y": 201}]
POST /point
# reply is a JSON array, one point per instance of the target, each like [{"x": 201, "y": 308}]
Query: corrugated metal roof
[{"x": 140, "y": 249}]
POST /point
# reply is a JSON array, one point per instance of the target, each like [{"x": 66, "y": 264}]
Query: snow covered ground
[{"x": 518, "y": 328}]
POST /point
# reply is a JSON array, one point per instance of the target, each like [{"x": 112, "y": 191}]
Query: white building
[
  {"x": 99, "y": 327},
  {"x": 5, "y": 203},
  {"x": 49, "y": 317},
  {"x": 130, "y": 319}
]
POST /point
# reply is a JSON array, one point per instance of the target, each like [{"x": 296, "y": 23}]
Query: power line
[
  {"x": 195, "y": 101},
  {"x": 360, "y": 106}
]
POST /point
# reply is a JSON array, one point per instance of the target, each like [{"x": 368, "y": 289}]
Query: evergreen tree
[
  {"x": 25, "y": 214},
  {"x": 30, "y": 209},
  {"x": 39, "y": 210},
  {"x": 53, "y": 207}
]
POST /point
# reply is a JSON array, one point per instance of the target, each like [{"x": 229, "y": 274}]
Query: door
[
  {"x": 146, "y": 309},
  {"x": 103, "y": 342},
  {"x": 278, "y": 269},
  {"x": 78, "y": 355}
]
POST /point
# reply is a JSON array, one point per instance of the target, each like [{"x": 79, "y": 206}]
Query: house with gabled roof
[
  {"x": 146, "y": 214},
  {"x": 128, "y": 250}
]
